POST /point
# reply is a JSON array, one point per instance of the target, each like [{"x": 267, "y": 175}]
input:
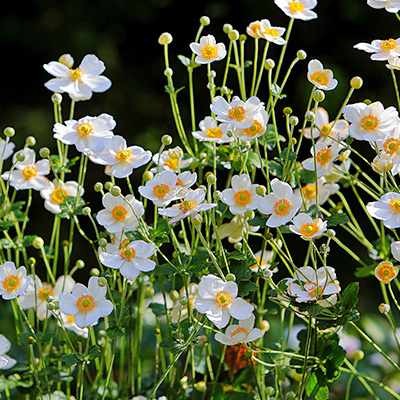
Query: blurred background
[{"x": 124, "y": 33}]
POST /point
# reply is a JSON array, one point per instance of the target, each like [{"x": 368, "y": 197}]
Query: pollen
[
  {"x": 309, "y": 191},
  {"x": 324, "y": 156},
  {"x": 84, "y": 129},
  {"x": 45, "y": 292},
  {"x": 309, "y": 230},
  {"x": 295, "y": 6},
  {"x": 369, "y": 122},
  {"x": 260, "y": 262},
  {"x": 171, "y": 163},
  {"x": 238, "y": 330},
  {"x": 325, "y": 128},
  {"x": 238, "y": 113},
  {"x": 160, "y": 190},
  {"x": 255, "y": 27},
  {"x": 179, "y": 182},
  {"x": 11, "y": 282},
  {"x": 119, "y": 213},
  {"x": 58, "y": 196},
  {"x": 242, "y": 197},
  {"x": 124, "y": 155},
  {"x": 75, "y": 73},
  {"x": 29, "y": 172},
  {"x": 209, "y": 52},
  {"x": 320, "y": 78},
  {"x": 388, "y": 45},
  {"x": 395, "y": 205},
  {"x": 385, "y": 271},
  {"x": 187, "y": 206},
  {"x": 271, "y": 32},
  {"x": 254, "y": 129},
  {"x": 391, "y": 146},
  {"x": 85, "y": 303},
  {"x": 282, "y": 207},
  {"x": 224, "y": 298},
  {"x": 214, "y": 133},
  {"x": 127, "y": 253}
]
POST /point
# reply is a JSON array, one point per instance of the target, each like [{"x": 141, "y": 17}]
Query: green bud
[
  {"x": 175, "y": 153},
  {"x": 80, "y": 264},
  {"x": 98, "y": 187},
  {"x": 238, "y": 245},
  {"x": 331, "y": 233},
  {"x": 270, "y": 391},
  {"x": 30, "y": 141},
  {"x": 211, "y": 178},
  {"x": 10, "y": 132},
  {"x": 86, "y": 211},
  {"x": 201, "y": 386},
  {"x": 261, "y": 190},
  {"x": 56, "y": 98},
  {"x": 217, "y": 195},
  {"x": 147, "y": 176},
  {"x": 165, "y": 38},
  {"x": 233, "y": 34},
  {"x": 197, "y": 219},
  {"x": 227, "y": 28},
  {"x": 168, "y": 72},
  {"x": 358, "y": 355},
  {"x": 115, "y": 191},
  {"x": 268, "y": 236},
  {"x": 367, "y": 102},
  {"x": 356, "y": 82},
  {"x": 293, "y": 120},
  {"x": 301, "y": 55},
  {"x": 319, "y": 96},
  {"x": 31, "y": 340},
  {"x": 94, "y": 272},
  {"x": 108, "y": 185},
  {"x": 38, "y": 242},
  {"x": 20, "y": 156},
  {"x": 287, "y": 111},
  {"x": 31, "y": 261},
  {"x": 44, "y": 152},
  {"x": 269, "y": 64},
  {"x": 103, "y": 242},
  {"x": 67, "y": 60},
  {"x": 242, "y": 38},
  {"x": 230, "y": 278},
  {"x": 310, "y": 116},
  {"x": 174, "y": 295},
  {"x": 250, "y": 214},
  {"x": 204, "y": 20},
  {"x": 102, "y": 281}
]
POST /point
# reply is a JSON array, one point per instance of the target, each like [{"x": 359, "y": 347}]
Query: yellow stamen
[
  {"x": 171, "y": 163},
  {"x": 391, "y": 146},
  {"x": 309, "y": 229},
  {"x": 395, "y": 205},
  {"x": 119, "y": 213},
  {"x": 271, "y": 32},
  {"x": 45, "y": 292},
  {"x": 76, "y": 74},
  {"x": 237, "y": 113},
  {"x": 224, "y": 298},
  {"x": 127, "y": 253},
  {"x": 320, "y": 78},
  {"x": 388, "y": 45},
  {"x": 58, "y": 196},
  {"x": 11, "y": 282},
  {"x": 187, "y": 205},
  {"x": 324, "y": 156},
  {"x": 84, "y": 129},
  {"x": 214, "y": 133},
  {"x": 282, "y": 207},
  {"x": 369, "y": 122},
  {"x": 85, "y": 303},
  {"x": 309, "y": 191},
  {"x": 209, "y": 52},
  {"x": 124, "y": 155},
  {"x": 242, "y": 197},
  {"x": 29, "y": 172},
  {"x": 254, "y": 129},
  {"x": 238, "y": 330},
  {"x": 160, "y": 190},
  {"x": 295, "y": 6}
]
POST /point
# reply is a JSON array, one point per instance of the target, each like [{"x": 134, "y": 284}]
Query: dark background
[{"x": 124, "y": 35}]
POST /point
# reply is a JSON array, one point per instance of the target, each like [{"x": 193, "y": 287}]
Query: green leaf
[
  {"x": 70, "y": 359},
  {"x": 349, "y": 296},
  {"x": 337, "y": 219},
  {"x": 94, "y": 352},
  {"x": 158, "y": 309},
  {"x": 114, "y": 333}
]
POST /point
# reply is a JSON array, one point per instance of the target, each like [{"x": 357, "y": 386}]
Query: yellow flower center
[
  {"x": 209, "y": 52},
  {"x": 255, "y": 27},
  {"x": 242, "y": 197},
  {"x": 238, "y": 330},
  {"x": 237, "y": 113},
  {"x": 224, "y": 298},
  {"x": 75, "y": 73},
  {"x": 160, "y": 190},
  {"x": 271, "y": 32},
  {"x": 282, "y": 207},
  {"x": 84, "y": 129},
  {"x": 325, "y": 128},
  {"x": 260, "y": 262},
  {"x": 29, "y": 172},
  {"x": 324, "y": 156},
  {"x": 313, "y": 290},
  {"x": 295, "y": 6},
  {"x": 119, "y": 213},
  {"x": 127, "y": 253},
  {"x": 254, "y": 129},
  {"x": 11, "y": 282},
  {"x": 320, "y": 78},
  {"x": 85, "y": 303},
  {"x": 214, "y": 133},
  {"x": 369, "y": 122},
  {"x": 386, "y": 271},
  {"x": 187, "y": 206},
  {"x": 309, "y": 229},
  {"x": 309, "y": 191},
  {"x": 58, "y": 196},
  {"x": 171, "y": 163},
  {"x": 395, "y": 205},
  {"x": 124, "y": 155},
  {"x": 45, "y": 292},
  {"x": 388, "y": 45},
  {"x": 179, "y": 182},
  {"x": 391, "y": 146}
]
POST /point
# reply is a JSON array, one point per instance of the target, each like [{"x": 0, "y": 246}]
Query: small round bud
[
  {"x": 165, "y": 38},
  {"x": 248, "y": 353},
  {"x": 211, "y": 179},
  {"x": 230, "y": 278},
  {"x": 56, "y": 98},
  {"x": 269, "y": 390},
  {"x": 67, "y": 60},
  {"x": 204, "y": 20},
  {"x": 344, "y": 155},
  {"x": 268, "y": 236},
  {"x": 261, "y": 190},
  {"x": 202, "y": 155},
  {"x": 229, "y": 134},
  {"x": 382, "y": 163},
  {"x": 10, "y": 132},
  {"x": 168, "y": 72},
  {"x": 224, "y": 90},
  {"x": 202, "y": 187},
  {"x": 98, "y": 187},
  {"x": 102, "y": 281},
  {"x": 94, "y": 272},
  {"x": 358, "y": 355},
  {"x": 44, "y": 152},
  {"x": 242, "y": 37},
  {"x": 149, "y": 292},
  {"x": 197, "y": 219},
  {"x": 310, "y": 116},
  {"x": 86, "y": 211},
  {"x": 367, "y": 102},
  {"x": 30, "y": 340},
  {"x": 217, "y": 195},
  {"x": 293, "y": 120},
  {"x": 50, "y": 306},
  {"x": 227, "y": 28},
  {"x": 294, "y": 140},
  {"x": 157, "y": 331},
  {"x": 20, "y": 156},
  {"x": 238, "y": 246},
  {"x": 147, "y": 176},
  {"x": 269, "y": 64},
  {"x": 31, "y": 261},
  {"x": 356, "y": 82},
  {"x": 38, "y": 242},
  {"x": 331, "y": 233},
  {"x": 265, "y": 326},
  {"x": 49, "y": 299},
  {"x": 65, "y": 243},
  {"x": 267, "y": 274},
  {"x": 183, "y": 300},
  {"x": 166, "y": 140},
  {"x": 174, "y": 295},
  {"x": 108, "y": 185},
  {"x": 175, "y": 153},
  {"x": 115, "y": 191},
  {"x": 287, "y": 110},
  {"x": 233, "y": 34},
  {"x": 30, "y": 141},
  {"x": 301, "y": 55},
  {"x": 319, "y": 96},
  {"x": 250, "y": 214},
  {"x": 384, "y": 308},
  {"x": 212, "y": 74},
  {"x": 103, "y": 242},
  {"x": 201, "y": 386},
  {"x": 80, "y": 264}
]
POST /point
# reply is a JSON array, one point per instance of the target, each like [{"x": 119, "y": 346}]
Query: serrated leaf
[
  {"x": 70, "y": 359},
  {"x": 349, "y": 296},
  {"x": 337, "y": 219},
  {"x": 158, "y": 309}
]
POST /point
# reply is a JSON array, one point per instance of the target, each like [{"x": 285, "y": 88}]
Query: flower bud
[
  {"x": 56, "y": 98},
  {"x": 44, "y": 152},
  {"x": 20, "y": 156},
  {"x": 201, "y": 386},
  {"x": 384, "y": 308},
  {"x": 168, "y": 72},
  {"x": 267, "y": 274},
  {"x": 382, "y": 163},
  {"x": 224, "y": 90},
  {"x": 233, "y": 34},
  {"x": 261, "y": 190},
  {"x": 10, "y": 132},
  {"x": 217, "y": 195},
  {"x": 80, "y": 264},
  {"x": 358, "y": 355},
  {"x": 356, "y": 82},
  {"x": 165, "y": 38},
  {"x": 94, "y": 272},
  {"x": 98, "y": 187},
  {"x": 183, "y": 300},
  {"x": 331, "y": 233},
  {"x": 227, "y": 28},
  {"x": 149, "y": 292},
  {"x": 319, "y": 96},
  {"x": 238, "y": 246},
  {"x": 49, "y": 299},
  {"x": 147, "y": 176},
  {"x": 31, "y": 261},
  {"x": 30, "y": 141},
  {"x": 269, "y": 64},
  {"x": 265, "y": 326},
  {"x": 50, "y": 306},
  {"x": 30, "y": 340},
  {"x": 157, "y": 331},
  {"x": 293, "y": 120},
  {"x": 86, "y": 211},
  {"x": 287, "y": 110},
  {"x": 344, "y": 155},
  {"x": 301, "y": 55},
  {"x": 250, "y": 214},
  {"x": 102, "y": 281},
  {"x": 269, "y": 390},
  {"x": 103, "y": 242},
  {"x": 204, "y": 20},
  {"x": 197, "y": 219},
  {"x": 67, "y": 60},
  {"x": 367, "y": 102},
  {"x": 175, "y": 153},
  {"x": 115, "y": 191},
  {"x": 310, "y": 116},
  {"x": 268, "y": 236},
  {"x": 211, "y": 179},
  {"x": 230, "y": 278},
  {"x": 212, "y": 74},
  {"x": 38, "y": 242},
  {"x": 242, "y": 38},
  {"x": 108, "y": 185},
  {"x": 174, "y": 295}
]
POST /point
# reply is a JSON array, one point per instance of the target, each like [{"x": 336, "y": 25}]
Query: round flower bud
[
  {"x": 301, "y": 55},
  {"x": 227, "y": 28},
  {"x": 293, "y": 120},
  {"x": 203, "y": 155},
  {"x": 67, "y": 60},
  {"x": 211, "y": 179},
  {"x": 204, "y": 20},
  {"x": 268, "y": 236},
  {"x": 149, "y": 292},
  {"x": 367, "y": 102},
  {"x": 10, "y": 132},
  {"x": 344, "y": 155},
  {"x": 31, "y": 261},
  {"x": 94, "y": 272},
  {"x": 98, "y": 187},
  {"x": 294, "y": 141},
  {"x": 201, "y": 386},
  {"x": 265, "y": 326},
  {"x": 166, "y": 140},
  {"x": 102, "y": 281},
  {"x": 20, "y": 156},
  {"x": 233, "y": 34},
  {"x": 103, "y": 242},
  {"x": 202, "y": 187},
  {"x": 319, "y": 96},
  {"x": 65, "y": 243},
  {"x": 165, "y": 38},
  {"x": 38, "y": 242},
  {"x": 183, "y": 300},
  {"x": 358, "y": 355},
  {"x": 30, "y": 340},
  {"x": 356, "y": 82},
  {"x": 50, "y": 306},
  {"x": 175, "y": 153},
  {"x": 270, "y": 391},
  {"x": 261, "y": 190},
  {"x": 49, "y": 299},
  {"x": 310, "y": 116},
  {"x": 250, "y": 214},
  {"x": 30, "y": 141},
  {"x": 86, "y": 211},
  {"x": 56, "y": 98},
  {"x": 168, "y": 72},
  {"x": 382, "y": 163},
  {"x": 331, "y": 233},
  {"x": 197, "y": 219},
  {"x": 44, "y": 152},
  {"x": 147, "y": 176},
  {"x": 384, "y": 308},
  {"x": 267, "y": 274},
  {"x": 287, "y": 110},
  {"x": 115, "y": 191},
  {"x": 224, "y": 90},
  {"x": 242, "y": 38},
  {"x": 174, "y": 295},
  {"x": 157, "y": 331},
  {"x": 238, "y": 246},
  {"x": 269, "y": 64},
  {"x": 217, "y": 195},
  {"x": 212, "y": 74},
  {"x": 108, "y": 185},
  {"x": 230, "y": 278},
  {"x": 80, "y": 264}
]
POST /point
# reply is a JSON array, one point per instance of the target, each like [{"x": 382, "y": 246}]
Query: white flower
[
  {"x": 370, "y": 122},
  {"x": 307, "y": 227},
  {"x": 310, "y": 285},
  {"x": 320, "y": 77},
  {"x": 80, "y": 82},
  {"x": 234, "y": 229},
  {"x": 6, "y": 362},
  {"x": 394, "y": 63},
  {"x": 257, "y": 129},
  {"x": 87, "y": 304},
  {"x": 387, "y": 209},
  {"x": 263, "y": 29},
  {"x": 164, "y": 162},
  {"x": 6, "y": 149},
  {"x": 395, "y": 249},
  {"x": 131, "y": 259},
  {"x": 87, "y": 134},
  {"x": 208, "y": 50},
  {"x": 56, "y": 192},
  {"x": 300, "y": 9},
  {"x": 218, "y": 300},
  {"x": 244, "y": 332},
  {"x": 192, "y": 204},
  {"x": 392, "y": 6},
  {"x": 180, "y": 311},
  {"x": 210, "y": 131},
  {"x": 120, "y": 160},
  {"x": 162, "y": 189},
  {"x": 237, "y": 112},
  {"x": 382, "y": 50},
  {"x": 390, "y": 146},
  {"x": 13, "y": 281},
  {"x": 37, "y": 292},
  {"x": 70, "y": 324},
  {"x": 120, "y": 213},
  {"x": 184, "y": 181},
  {"x": 262, "y": 261},
  {"x": 242, "y": 197},
  {"x": 28, "y": 174},
  {"x": 144, "y": 398},
  {"x": 282, "y": 204}
]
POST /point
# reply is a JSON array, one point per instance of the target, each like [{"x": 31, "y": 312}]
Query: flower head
[
  {"x": 208, "y": 50},
  {"x": 298, "y": 9},
  {"x": 257, "y": 129},
  {"x": 392, "y": 6},
  {"x": 387, "y": 209},
  {"x": 263, "y": 29},
  {"x": 262, "y": 261},
  {"x": 164, "y": 162},
  {"x": 80, "y": 82},
  {"x": 13, "y": 281},
  {"x": 180, "y": 311},
  {"x": 386, "y": 271},
  {"x": 320, "y": 77},
  {"x": 307, "y": 227},
  {"x": 234, "y": 229},
  {"x": 218, "y": 300},
  {"x": 6, "y": 149},
  {"x": 210, "y": 131},
  {"x": 382, "y": 50},
  {"x": 87, "y": 304},
  {"x": 6, "y": 362}
]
